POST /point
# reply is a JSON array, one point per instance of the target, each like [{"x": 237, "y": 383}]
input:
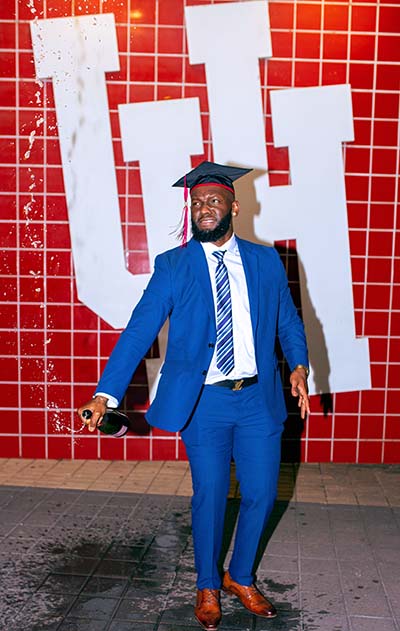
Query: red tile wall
[{"x": 52, "y": 348}]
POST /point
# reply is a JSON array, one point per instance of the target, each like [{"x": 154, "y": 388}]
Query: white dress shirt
[{"x": 243, "y": 341}]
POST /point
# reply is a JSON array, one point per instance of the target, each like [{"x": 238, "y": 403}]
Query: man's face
[{"x": 211, "y": 213}]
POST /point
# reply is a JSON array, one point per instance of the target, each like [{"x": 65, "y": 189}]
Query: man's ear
[{"x": 235, "y": 208}]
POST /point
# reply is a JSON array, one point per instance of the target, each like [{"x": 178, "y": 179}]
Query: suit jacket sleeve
[
  {"x": 290, "y": 327},
  {"x": 145, "y": 322}
]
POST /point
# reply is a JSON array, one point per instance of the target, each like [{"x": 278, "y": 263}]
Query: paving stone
[
  {"x": 46, "y": 625},
  {"x": 30, "y": 532},
  {"x": 79, "y": 521},
  {"x": 326, "y": 622},
  {"x": 363, "y": 623},
  {"x": 131, "y": 538},
  {"x": 41, "y": 517},
  {"x": 16, "y": 546},
  {"x": 126, "y": 553},
  {"x": 322, "y": 580},
  {"x": 354, "y": 551},
  {"x": 129, "y": 500},
  {"x": 275, "y": 548},
  {"x": 75, "y": 565},
  {"x": 133, "y": 570},
  {"x": 13, "y": 517},
  {"x": 62, "y": 506},
  {"x": 153, "y": 570},
  {"x": 318, "y": 566},
  {"x": 277, "y": 563},
  {"x": 310, "y": 549},
  {"x": 282, "y": 588},
  {"x": 6, "y": 529},
  {"x": 237, "y": 621},
  {"x": 162, "y": 555},
  {"x": 357, "y": 536},
  {"x": 393, "y": 595},
  {"x": 285, "y": 532},
  {"x": 174, "y": 626},
  {"x": 105, "y": 587},
  {"x": 95, "y": 607},
  {"x": 148, "y": 586},
  {"x": 234, "y": 615},
  {"x": 116, "y": 568},
  {"x": 94, "y": 498},
  {"x": 11, "y": 605},
  {"x": 63, "y": 584},
  {"x": 42, "y": 609},
  {"x": 387, "y": 555},
  {"x": 80, "y": 624},
  {"x": 143, "y": 606},
  {"x": 364, "y": 598},
  {"x": 119, "y": 625},
  {"x": 322, "y": 601},
  {"x": 351, "y": 524},
  {"x": 285, "y": 621}
]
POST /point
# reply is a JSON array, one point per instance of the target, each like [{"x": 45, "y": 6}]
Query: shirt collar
[{"x": 229, "y": 246}]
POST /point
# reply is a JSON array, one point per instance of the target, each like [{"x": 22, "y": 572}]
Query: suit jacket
[{"x": 180, "y": 289}]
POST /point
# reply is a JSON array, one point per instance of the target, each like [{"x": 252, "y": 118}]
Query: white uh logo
[{"x": 313, "y": 122}]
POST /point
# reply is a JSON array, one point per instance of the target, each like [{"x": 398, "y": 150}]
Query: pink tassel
[{"x": 185, "y": 226}]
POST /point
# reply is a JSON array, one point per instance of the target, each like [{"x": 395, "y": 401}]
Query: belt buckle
[{"x": 238, "y": 385}]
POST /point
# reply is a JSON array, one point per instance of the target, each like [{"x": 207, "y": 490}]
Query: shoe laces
[
  {"x": 210, "y": 596},
  {"x": 252, "y": 592}
]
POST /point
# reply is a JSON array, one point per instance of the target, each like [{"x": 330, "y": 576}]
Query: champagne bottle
[{"x": 113, "y": 423}]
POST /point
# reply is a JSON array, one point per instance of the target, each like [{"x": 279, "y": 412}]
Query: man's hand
[
  {"x": 298, "y": 381},
  {"x": 97, "y": 407}
]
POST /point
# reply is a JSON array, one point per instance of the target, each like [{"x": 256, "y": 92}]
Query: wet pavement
[{"x": 89, "y": 560}]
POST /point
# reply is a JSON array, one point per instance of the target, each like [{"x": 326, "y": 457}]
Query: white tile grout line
[
  {"x": 365, "y": 277},
  {"x": 18, "y": 233},
  {"x": 46, "y": 400},
  {"x": 368, "y": 217},
  {"x": 391, "y": 287},
  {"x": 344, "y": 152},
  {"x": 126, "y": 205}
]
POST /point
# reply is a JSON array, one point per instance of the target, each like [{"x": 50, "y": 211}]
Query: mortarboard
[
  {"x": 207, "y": 173},
  {"x": 212, "y": 173}
]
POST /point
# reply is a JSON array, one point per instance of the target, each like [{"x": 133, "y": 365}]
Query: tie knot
[{"x": 219, "y": 255}]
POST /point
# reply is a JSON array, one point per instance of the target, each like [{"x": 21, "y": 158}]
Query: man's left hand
[{"x": 298, "y": 381}]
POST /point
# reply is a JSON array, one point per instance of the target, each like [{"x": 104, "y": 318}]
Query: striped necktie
[{"x": 225, "y": 357}]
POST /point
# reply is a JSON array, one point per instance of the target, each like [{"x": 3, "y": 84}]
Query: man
[{"x": 227, "y": 300}]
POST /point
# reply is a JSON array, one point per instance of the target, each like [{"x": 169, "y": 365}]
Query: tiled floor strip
[{"x": 106, "y": 546}]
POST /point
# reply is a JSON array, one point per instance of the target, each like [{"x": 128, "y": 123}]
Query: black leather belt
[{"x": 236, "y": 384}]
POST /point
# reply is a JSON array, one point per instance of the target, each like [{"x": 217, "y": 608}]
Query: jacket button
[
  {"x": 211, "y": 345},
  {"x": 204, "y": 372}
]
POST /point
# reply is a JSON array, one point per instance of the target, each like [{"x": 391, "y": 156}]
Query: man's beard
[{"x": 211, "y": 236}]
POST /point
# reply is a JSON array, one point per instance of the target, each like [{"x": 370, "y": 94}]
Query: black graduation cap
[{"x": 212, "y": 173}]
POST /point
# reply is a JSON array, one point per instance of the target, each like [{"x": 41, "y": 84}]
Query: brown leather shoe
[
  {"x": 208, "y": 609},
  {"x": 250, "y": 597}
]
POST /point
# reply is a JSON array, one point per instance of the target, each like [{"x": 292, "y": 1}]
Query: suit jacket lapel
[
  {"x": 250, "y": 266},
  {"x": 199, "y": 268}
]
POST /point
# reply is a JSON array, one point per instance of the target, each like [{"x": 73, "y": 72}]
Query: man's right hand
[{"x": 97, "y": 407}]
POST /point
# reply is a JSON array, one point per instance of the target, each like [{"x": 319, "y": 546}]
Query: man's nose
[{"x": 204, "y": 206}]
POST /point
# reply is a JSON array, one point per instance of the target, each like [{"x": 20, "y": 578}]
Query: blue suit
[
  {"x": 180, "y": 289},
  {"x": 217, "y": 424}
]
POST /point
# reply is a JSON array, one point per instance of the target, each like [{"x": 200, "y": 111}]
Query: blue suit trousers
[{"x": 230, "y": 424}]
